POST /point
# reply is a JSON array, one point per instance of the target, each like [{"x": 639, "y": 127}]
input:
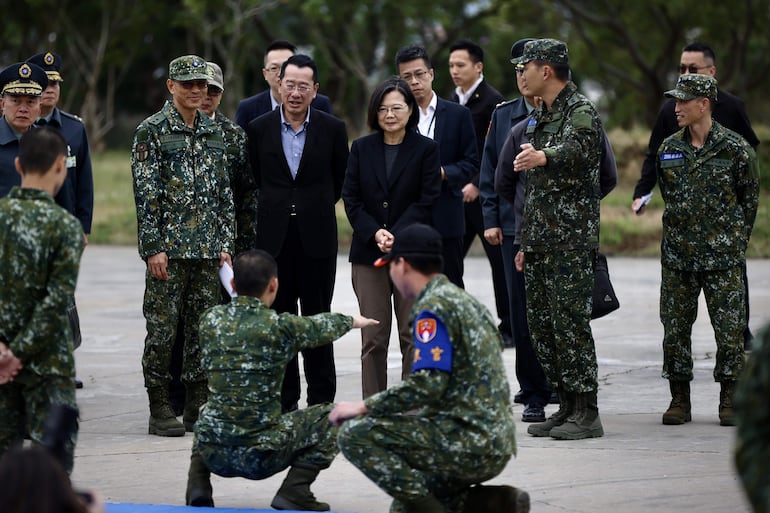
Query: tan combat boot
[
  {"x": 679, "y": 411},
  {"x": 726, "y": 415},
  {"x": 162, "y": 419}
]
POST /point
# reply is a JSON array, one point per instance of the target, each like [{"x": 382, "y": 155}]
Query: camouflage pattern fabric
[
  {"x": 184, "y": 205},
  {"x": 42, "y": 243},
  {"x": 559, "y": 236},
  {"x": 561, "y": 336},
  {"x": 752, "y": 417},
  {"x": 726, "y": 303},
  {"x": 561, "y": 206},
  {"x": 242, "y": 183},
  {"x": 711, "y": 195},
  {"x": 694, "y": 85},
  {"x": 309, "y": 438},
  {"x": 191, "y": 288},
  {"x": 545, "y": 50},
  {"x": 439, "y": 432},
  {"x": 246, "y": 347}
]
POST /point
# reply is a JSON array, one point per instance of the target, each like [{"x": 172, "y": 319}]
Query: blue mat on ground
[{"x": 161, "y": 508}]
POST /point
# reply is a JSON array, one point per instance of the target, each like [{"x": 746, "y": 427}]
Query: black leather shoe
[
  {"x": 533, "y": 414},
  {"x": 554, "y": 399},
  {"x": 78, "y": 383},
  {"x": 518, "y": 397},
  {"x": 508, "y": 342}
]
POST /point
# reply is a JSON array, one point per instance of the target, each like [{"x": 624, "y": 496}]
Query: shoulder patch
[
  {"x": 432, "y": 346},
  {"x": 582, "y": 118}
]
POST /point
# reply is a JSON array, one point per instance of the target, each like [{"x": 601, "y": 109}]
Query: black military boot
[
  {"x": 196, "y": 394},
  {"x": 295, "y": 492},
  {"x": 566, "y": 405},
  {"x": 726, "y": 415},
  {"x": 199, "y": 491},
  {"x": 679, "y": 411},
  {"x": 427, "y": 504},
  {"x": 162, "y": 419},
  {"x": 496, "y": 499},
  {"x": 584, "y": 421}
]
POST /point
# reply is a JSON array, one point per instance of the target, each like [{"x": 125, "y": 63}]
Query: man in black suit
[
  {"x": 451, "y": 126},
  {"x": 466, "y": 66},
  {"x": 728, "y": 111},
  {"x": 298, "y": 155},
  {"x": 254, "y": 106}
]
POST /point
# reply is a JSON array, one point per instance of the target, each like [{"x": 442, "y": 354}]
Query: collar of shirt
[
  {"x": 427, "y": 123},
  {"x": 467, "y": 96},
  {"x": 286, "y": 123},
  {"x": 273, "y": 102}
]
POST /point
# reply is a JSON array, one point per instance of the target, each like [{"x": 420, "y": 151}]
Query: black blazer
[
  {"x": 374, "y": 200},
  {"x": 456, "y": 139},
  {"x": 252, "y": 107},
  {"x": 481, "y": 104},
  {"x": 311, "y": 195}
]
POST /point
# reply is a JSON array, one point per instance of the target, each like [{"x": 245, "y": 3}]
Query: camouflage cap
[
  {"x": 23, "y": 78},
  {"x": 518, "y": 49},
  {"x": 417, "y": 240},
  {"x": 546, "y": 50},
  {"x": 215, "y": 78},
  {"x": 188, "y": 67},
  {"x": 50, "y": 62},
  {"x": 694, "y": 85}
]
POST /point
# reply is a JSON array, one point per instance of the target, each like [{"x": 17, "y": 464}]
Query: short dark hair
[
  {"x": 410, "y": 53},
  {"x": 474, "y": 51},
  {"x": 301, "y": 61},
  {"x": 252, "y": 272},
  {"x": 706, "y": 50},
  {"x": 425, "y": 264},
  {"x": 280, "y": 44},
  {"x": 560, "y": 70},
  {"x": 39, "y": 148},
  {"x": 390, "y": 85}
]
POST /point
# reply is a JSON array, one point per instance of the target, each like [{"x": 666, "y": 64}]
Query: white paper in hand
[{"x": 226, "y": 277}]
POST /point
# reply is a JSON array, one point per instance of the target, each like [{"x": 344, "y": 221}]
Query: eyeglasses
[
  {"x": 395, "y": 109},
  {"x": 692, "y": 68},
  {"x": 213, "y": 91},
  {"x": 301, "y": 88},
  {"x": 420, "y": 75},
  {"x": 273, "y": 69},
  {"x": 190, "y": 84},
  {"x": 519, "y": 68}
]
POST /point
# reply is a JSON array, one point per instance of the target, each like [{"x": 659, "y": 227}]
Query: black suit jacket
[
  {"x": 314, "y": 191},
  {"x": 374, "y": 200},
  {"x": 728, "y": 111},
  {"x": 456, "y": 139},
  {"x": 252, "y": 107},
  {"x": 482, "y": 104}
]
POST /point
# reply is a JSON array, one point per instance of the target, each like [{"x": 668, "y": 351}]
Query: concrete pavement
[{"x": 638, "y": 466}]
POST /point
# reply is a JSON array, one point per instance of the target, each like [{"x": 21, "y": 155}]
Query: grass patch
[{"x": 622, "y": 232}]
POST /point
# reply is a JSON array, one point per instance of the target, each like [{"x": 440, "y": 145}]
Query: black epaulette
[{"x": 157, "y": 118}]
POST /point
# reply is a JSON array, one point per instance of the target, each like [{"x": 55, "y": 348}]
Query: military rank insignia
[{"x": 432, "y": 347}]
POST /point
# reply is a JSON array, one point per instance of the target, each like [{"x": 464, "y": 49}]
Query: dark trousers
[
  {"x": 529, "y": 373},
  {"x": 453, "y": 260},
  {"x": 474, "y": 226},
  {"x": 307, "y": 283}
]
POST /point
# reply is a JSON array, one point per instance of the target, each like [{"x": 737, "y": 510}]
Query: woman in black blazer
[{"x": 392, "y": 181}]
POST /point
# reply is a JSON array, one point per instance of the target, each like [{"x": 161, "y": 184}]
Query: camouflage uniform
[
  {"x": 711, "y": 195},
  {"x": 184, "y": 207},
  {"x": 240, "y": 430},
  {"x": 753, "y": 420},
  {"x": 241, "y": 182},
  {"x": 560, "y": 236},
  {"x": 40, "y": 248},
  {"x": 461, "y": 431}
]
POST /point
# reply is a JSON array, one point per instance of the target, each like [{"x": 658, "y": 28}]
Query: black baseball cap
[{"x": 416, "y": 240}]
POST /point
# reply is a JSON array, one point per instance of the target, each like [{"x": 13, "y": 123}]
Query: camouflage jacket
[
  {"x": 752, "y": 449},
  {"x": 184, "y": 205},
  {"x": 242, "y": 183},
  {"x": 40, "y": 248},
  {"x": 245, "y": 347},
  {"x": 562, "y": 198},
  {"x": 472, "y": 401},
  {"x": 711, "y": 195}
]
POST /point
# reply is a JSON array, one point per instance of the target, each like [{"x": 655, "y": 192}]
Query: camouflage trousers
[
  {"x": 559, "y": 288},
  {"x": 25, "y": 403},
  {"x": 410, "y": 457},
  {"x": 192, "y": 287},
  {"x": 726, "y": 302},
  {"x": 306, "y": 436}
]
